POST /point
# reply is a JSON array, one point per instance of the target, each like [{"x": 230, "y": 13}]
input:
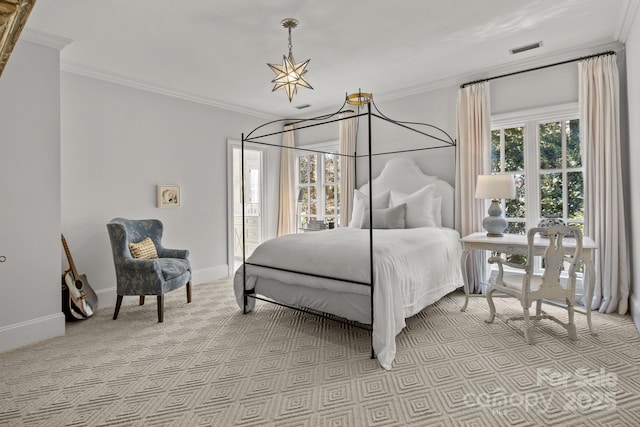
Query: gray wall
[
  {"x": 30, "y": 204},
  {"x": 633, "y": 82},
  {"x": 118, "y": 143}
]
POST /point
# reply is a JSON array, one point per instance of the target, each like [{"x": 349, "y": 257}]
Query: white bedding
[{"x": 413, "y": 268}]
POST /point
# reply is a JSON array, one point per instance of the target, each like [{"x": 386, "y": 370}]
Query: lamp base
[{"x": 495, "y": 224}]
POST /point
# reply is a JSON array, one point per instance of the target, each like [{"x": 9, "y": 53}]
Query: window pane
[
  {"x": 329, "y": 200},
  {"x": 304, "y": 205},
  {"x": 303, "y": 173},
  {"x": 313, "y": 203},
  {"x": 575, "y": 193},
  {"x": 495, "y": 150},
  {"x": 550, "y": 145},
  {"x": 517, "y": 228},
  {"x": 517, "y": 258},
  {"x": 338, "y": 202},
  {"x": 551, "y": 194},
  {"x": 515, "y": 208},
  {"x": 329, "y": 168},
  {"x": 313, "y": 169},
  {"x": 514, "y": 149},
  {"x": 574, "y": 159}
]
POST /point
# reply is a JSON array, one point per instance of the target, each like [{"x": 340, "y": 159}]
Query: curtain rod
[{"x": 610, "y": 52}]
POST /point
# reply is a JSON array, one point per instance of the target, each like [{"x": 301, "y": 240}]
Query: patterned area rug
[{"x": 208, "y": 364}]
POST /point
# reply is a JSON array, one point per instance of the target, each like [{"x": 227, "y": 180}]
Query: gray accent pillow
[{"x": 386, "y": 218}]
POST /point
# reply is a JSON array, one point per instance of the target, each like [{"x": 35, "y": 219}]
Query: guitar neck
[{"x": 69, "y": 259}]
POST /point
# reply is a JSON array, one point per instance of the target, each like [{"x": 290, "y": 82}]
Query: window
[
  {"x": 318, "y": 185},
  {"x": 541, "y": 149}
]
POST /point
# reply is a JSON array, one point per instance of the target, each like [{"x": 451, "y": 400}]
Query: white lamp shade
[{"x": 495, "y": 187}]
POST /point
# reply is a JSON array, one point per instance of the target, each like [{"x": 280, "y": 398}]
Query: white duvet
[{"x": 413, "y": 268}]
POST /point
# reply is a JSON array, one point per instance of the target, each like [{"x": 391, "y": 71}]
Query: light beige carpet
[{"x": 208, "y": 364}]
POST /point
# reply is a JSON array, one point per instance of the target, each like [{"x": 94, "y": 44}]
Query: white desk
[{"x": 517, "y": 244}]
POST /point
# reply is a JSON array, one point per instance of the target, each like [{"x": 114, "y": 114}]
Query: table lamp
[{"x": 495, "y": 187}]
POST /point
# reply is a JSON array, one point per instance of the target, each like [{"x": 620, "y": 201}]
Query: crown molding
[
  {"x": 95, "y": 73},
  {"x": 557, "y": 56},
  {"x": 626, "y": 19},
  {"x": 418, "y": 89},
  {"x": 44, "y": 39}
]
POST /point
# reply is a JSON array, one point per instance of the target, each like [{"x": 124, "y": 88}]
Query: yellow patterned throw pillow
[{"x": 144, "y": 249}]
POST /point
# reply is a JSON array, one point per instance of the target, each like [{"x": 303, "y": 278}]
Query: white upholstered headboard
[{"x": 404, "y": 175}]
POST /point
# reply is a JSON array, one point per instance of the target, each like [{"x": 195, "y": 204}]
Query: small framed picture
[{"x": 168, "y": 196}]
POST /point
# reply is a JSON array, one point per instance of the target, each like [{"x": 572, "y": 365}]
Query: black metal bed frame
[{"x": 446, "y": 140}]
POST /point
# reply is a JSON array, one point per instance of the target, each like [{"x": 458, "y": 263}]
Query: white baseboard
[
  {"x": 107, "y": 297},
  {"x": 35, "y": 330},
  {"x": 210, "y": 274},
  {"x": 31, "y": 331}
]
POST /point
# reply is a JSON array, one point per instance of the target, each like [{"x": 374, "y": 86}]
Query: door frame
[{"x": 231, "y": 144}]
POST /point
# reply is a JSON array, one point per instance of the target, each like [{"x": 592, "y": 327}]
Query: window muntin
[
  {"x": 319, "y": 182},
  {"x": 544, "y": 144},
  {"x": 561, "y": 174},
  {"x": 537, "y": 144}
]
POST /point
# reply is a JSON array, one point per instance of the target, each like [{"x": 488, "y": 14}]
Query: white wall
[
  {"x": 541, "y": 88},
  {"x": 633, "y": 84},
  {"x": 437, "y": 107},
  {"x": 30, "y": 278},
  {"x": 118, "y": 143}
]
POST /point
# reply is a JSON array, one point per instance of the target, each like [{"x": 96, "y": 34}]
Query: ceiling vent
[
  {"x": 525, "y": 48},
  {"x": 303, "y": 106}
]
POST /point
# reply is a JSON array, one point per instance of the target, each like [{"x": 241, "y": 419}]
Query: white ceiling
[{"x": 216, "y": 51}]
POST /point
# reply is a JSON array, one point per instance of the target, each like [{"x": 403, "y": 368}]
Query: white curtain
[
  {"x": 287, "y": 207},
  {"x": 603, "y": 197},
  {"x": 473, "y": 159},
  {"x": 347, "y": 166}
]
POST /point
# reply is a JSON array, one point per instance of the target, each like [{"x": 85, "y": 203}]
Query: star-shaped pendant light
[{"x": 289, "y": 75}]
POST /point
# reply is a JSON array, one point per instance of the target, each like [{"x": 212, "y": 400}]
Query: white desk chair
[{"x": 532, "y": 287}]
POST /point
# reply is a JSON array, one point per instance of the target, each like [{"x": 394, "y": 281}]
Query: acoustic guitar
[{"x": 81, "y": 301}]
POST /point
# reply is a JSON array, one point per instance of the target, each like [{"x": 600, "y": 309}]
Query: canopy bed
[{"x": 370, "y": 277}]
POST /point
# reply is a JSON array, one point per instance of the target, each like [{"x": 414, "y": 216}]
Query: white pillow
[
  {"x": 361, "y": 201},
  {"x": 420, "y": 206},
  {"x": 437, "y": 207},
  {"x": 386, "y": 218}
]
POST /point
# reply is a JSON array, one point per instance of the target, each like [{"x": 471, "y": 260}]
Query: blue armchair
[{"x": 156, "y": 276}]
